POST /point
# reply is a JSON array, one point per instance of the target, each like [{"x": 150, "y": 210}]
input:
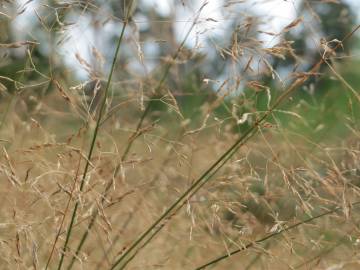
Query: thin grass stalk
[
  {"x": 129, "y": 145},
  {"x": 141, "y": 247},
  {"x": 102, "y": 107},
  {"x": 142, "y": 198},
  {"x": 161, "y": 226},
  {"x": 66, "y": 210},
  {"x": 179, "y": 207},
  {"x": 138, "y": 204},
  {"x": 96, "y": 212},
  {"x": 228, "y": 255},
  {"x": 107, "y": 188},
  {"x": 255, "y": 259},
  {"x": 321, "y": 254},
  {"x": 182, "y": 44},
  {"x": 165, "y": 74},
  {"x": 209, "y": 172},
  {"x": 13, "y": 96},
  {"x": 225, "y": 157},
  {"x": 21, "y": 75},
  {"x": 90, "y": 225}
]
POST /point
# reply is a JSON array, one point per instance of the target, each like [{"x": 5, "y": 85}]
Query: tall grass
[{"x": 247, "y": 148}]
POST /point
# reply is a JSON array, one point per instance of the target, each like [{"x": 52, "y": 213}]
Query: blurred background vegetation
[
  {"x": 209, "y": 70},
  {"x": 63, "y": 46}
]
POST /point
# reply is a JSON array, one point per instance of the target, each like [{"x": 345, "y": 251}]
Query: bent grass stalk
[
  {"x": 102, "y": 107},
  {"x": 228, "y": 255},
  {"x": 205, "y": 177},
  {"x": 137, "y": 130}
]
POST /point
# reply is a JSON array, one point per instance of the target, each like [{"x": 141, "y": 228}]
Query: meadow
[{"x": 147, "y": 149}]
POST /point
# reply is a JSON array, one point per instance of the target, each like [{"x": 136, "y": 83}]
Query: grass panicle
[{"x": 155, "y": 138}]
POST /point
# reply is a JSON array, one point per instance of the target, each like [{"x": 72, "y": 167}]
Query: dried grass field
[{"x": 179, "y": 135}]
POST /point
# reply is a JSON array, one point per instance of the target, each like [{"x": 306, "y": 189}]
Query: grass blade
[
  {"x": 225, "y": 256},
  {"x": 102, "y": 107},
  {"x": 205, "y": 177},
  {"x": 129, "y": 145},
  {"x": 202, "y": 180}
]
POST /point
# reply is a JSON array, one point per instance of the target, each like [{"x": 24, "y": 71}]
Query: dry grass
[{"x": 132, "y": 176}]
